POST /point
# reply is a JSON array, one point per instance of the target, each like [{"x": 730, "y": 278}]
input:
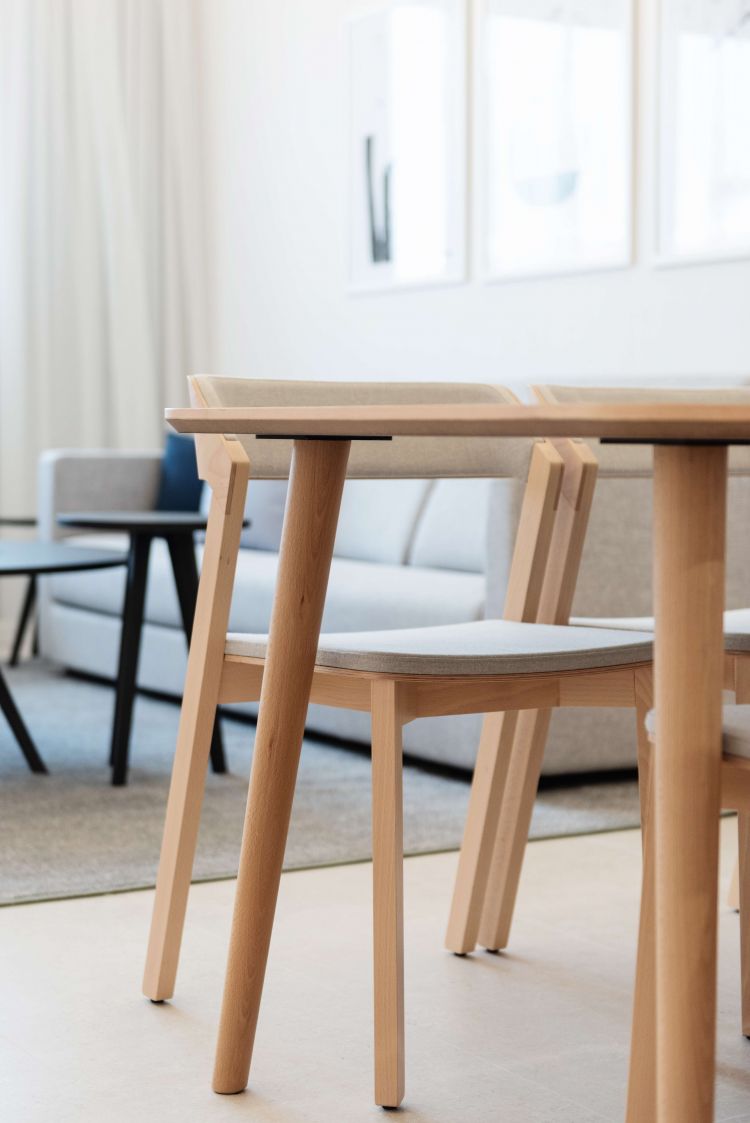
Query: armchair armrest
[{"x": 94, "y": 480}]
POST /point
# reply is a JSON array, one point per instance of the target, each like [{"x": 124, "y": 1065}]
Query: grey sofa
[{"x": 408, "y": 553}]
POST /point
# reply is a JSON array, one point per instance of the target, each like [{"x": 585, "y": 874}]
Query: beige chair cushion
[
  {"x": 736, "y": 626},
  {"x": 623, "y": 460},
  {"x": 485, "y": 647},
  {"x": 402, "y": 457}
]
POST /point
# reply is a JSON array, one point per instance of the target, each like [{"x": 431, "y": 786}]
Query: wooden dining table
[{"x": 691, "y": 443}]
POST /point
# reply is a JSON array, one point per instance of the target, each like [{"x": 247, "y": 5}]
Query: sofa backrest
[
  {"x": 379, "y": 518},
  {"x": 434, "y": 524},
  {"x": 264, "y": 507}
]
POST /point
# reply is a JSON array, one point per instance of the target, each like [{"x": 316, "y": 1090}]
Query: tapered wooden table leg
[
  {"x": 642, "y": 1081},
  {"x": 388, "y": 892},
  {"x": 689, "y": 538},
  {"x": 315, "y": 485}
]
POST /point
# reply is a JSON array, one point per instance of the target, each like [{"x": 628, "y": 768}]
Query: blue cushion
[{"x": 179, "y": 488}]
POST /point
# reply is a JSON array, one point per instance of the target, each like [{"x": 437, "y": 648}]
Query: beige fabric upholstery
[
  {"x": 736, "y": 626},
  {"x": 622, "y": 460},
  {"x": 403, "y": 457},
  {"x": 485, "y": 647}
]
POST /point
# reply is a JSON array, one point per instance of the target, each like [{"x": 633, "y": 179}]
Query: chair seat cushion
[
  {"x": 736, "y": 626},
  {"x": 484, "y": 647}
]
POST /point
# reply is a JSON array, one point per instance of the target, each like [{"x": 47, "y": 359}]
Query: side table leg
[
  {"x": 130, "y": 643},
  {"x": 185, "y": 570},
  {"x": 18, "y": 727},
  {"x": 29, "y": 603}
]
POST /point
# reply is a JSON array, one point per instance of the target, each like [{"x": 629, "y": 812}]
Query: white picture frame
[
  {"x": 555, "y": 136},
  {"x": 702, "y": 132},
  {"x": 407, "y": 144}
]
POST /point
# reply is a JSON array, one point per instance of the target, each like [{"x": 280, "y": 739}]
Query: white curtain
[{"x": 104, "y": 287}]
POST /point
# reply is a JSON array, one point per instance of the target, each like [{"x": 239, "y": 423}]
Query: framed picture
[
  {"x": 703, "y": 206},
  {"x": 555, "y": 135},
  {"x": 407, "y": 144}
]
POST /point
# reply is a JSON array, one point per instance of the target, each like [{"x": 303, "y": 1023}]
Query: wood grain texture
[
  {"x": 536, "y": 524},
  {"x": 435, "y": 695},
  {"x": 388, "y": 893},
  {"x": 734, "y": 796},
  {"x": 527, "y": 571},
  {"x": 641, "y": 1103},
  {"x": 743, "y": 838},
  {"x": 741, "y": 682},
  {"x": 656, "y": 421},
  {"x": 315, "y": 487},
  {"x": 511, "y": 830},
  {"x": 512, "y": 822},
  {"x": 689, "y": 573},
  {"x": 227, "y": 467},
  {"x": 733, "y": 893}
]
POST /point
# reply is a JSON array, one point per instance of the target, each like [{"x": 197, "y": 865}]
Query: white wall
[{"x": 280, "y": 212}]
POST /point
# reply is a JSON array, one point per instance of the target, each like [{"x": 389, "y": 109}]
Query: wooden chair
[
  {"x": 501, "y": 667},
  {"x": 501, "y": 807}
]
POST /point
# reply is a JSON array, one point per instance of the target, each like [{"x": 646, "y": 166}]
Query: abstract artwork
[
  {"x": 704, "y": 130},
  {"x": 407, "y": 141},
  {"x": 555, "y": 145}
]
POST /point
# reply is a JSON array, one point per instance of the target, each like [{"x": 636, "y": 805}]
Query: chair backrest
[
  {"x": 557, "y": 476},
  {"x": 619, "y": 461},
  {"x": 616, "y": 566},
  {"x": 403, "y": 457}
]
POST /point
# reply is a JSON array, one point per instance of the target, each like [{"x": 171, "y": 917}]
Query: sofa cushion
[
  {"x": 452, "y": 532},
  {"x": 356, "y": 599},
  {"x": 378, "y": 519},
  {"x": 264, "y": 507},
  {"x": 180, "y": 488}
]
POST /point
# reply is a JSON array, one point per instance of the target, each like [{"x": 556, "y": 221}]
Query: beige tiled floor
[{"x": 539, "y": 1035}]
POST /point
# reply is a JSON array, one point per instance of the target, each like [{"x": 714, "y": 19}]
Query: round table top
[
  {"x": 136, "y": 522},
  {"x": 19, "y": 558}
]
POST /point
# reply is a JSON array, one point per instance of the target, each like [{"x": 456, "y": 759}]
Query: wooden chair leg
[
  {"x": 733, "y": 896},
  {"x": 196, "y": 723},
  {"x": 485, "y": 801},
  {"x": 316, "y": 482},
  {"x": 642, "y": 1075},
  {"x": 388, "y": 893},
  {"x": 513, "y": 829},
  {"x": 743, "y": 831}
]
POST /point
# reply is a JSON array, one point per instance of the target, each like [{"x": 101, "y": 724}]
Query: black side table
[
  {"x": 29, "y": 600},
  {"x": 32, "y": 559},
  {"x": 178, "y": 529}
]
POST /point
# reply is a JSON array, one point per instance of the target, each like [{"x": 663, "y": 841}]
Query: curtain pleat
[{"x": 104, "y": 288}]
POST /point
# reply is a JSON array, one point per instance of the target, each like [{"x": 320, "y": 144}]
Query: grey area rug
[{"x": 71, "y": 834}]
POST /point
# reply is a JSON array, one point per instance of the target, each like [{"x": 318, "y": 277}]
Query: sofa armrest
[{"x": 94, "y": 480}]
